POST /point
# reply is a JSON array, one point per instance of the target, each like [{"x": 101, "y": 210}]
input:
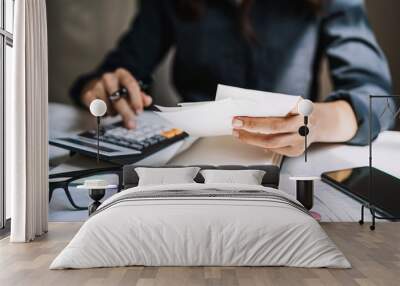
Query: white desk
[{"x": 331, "y": 204}]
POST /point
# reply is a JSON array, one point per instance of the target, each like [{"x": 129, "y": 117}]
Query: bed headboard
[{"x": 271, "y": 177}]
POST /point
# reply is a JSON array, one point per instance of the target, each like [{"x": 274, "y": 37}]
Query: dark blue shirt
[{"x": 291, "y": 41}]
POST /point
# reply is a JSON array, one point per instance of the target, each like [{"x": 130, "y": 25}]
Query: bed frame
[{"x": 130, "y": 178}]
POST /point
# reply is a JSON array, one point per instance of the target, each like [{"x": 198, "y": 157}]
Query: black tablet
[{"x": 385, "y": 191}]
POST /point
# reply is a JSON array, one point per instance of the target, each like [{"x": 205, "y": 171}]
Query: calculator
[{"x": 121, "y": 145}]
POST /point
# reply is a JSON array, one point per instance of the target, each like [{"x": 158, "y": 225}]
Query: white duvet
[{"x": 188, "y": 231}]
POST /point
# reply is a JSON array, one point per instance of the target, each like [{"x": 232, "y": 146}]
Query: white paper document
[{"x": 214, "y": 118}]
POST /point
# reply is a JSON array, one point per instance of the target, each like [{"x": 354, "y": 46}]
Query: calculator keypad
[{"x": 144, "y": 136}]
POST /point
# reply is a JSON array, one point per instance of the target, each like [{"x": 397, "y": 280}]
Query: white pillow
[
  {"x": 243, "y": 177},
  {"x": 166, "y": 176}
]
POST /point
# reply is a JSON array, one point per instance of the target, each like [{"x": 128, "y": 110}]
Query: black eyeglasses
[{"x": 69, "y": 183}]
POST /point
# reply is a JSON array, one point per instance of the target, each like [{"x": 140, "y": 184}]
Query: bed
[{"x": 201, "y": 224}]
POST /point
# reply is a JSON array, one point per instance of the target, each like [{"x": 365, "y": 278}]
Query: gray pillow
[
  {"x": 166, "y": 176},
  {"x": 244, "y": 177}
]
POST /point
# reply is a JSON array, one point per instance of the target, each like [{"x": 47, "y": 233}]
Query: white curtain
[{"x": 26, "y": 124}]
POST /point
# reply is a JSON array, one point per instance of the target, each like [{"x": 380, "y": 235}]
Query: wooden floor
[{"x": 375, "y": 257}]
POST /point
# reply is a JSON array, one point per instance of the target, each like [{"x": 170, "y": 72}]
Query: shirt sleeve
[
  {"x": 357, "y": 65},
  {"x": 139, "y": 50}
]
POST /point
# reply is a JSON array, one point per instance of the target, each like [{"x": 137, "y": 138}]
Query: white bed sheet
[{"x": 200, "y": 232}]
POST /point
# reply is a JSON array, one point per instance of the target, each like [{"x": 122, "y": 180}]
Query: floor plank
[{"x": 375, "y": 257}]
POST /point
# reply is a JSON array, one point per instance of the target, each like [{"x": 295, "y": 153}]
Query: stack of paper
[{"x": 214, "y": 118}]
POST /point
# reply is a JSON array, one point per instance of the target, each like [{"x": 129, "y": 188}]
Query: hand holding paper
[{"x": 214, "y": 118}]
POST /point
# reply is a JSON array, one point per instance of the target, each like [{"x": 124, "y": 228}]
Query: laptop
[{"x": 120, "y": 145}]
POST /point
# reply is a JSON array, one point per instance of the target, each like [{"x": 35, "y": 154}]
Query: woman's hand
[
  {"x": 330, "y": 122},
  {"x": 109, "y": 83}
]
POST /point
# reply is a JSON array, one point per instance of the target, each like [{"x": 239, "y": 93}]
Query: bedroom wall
[
  {"x": 81, "y": 32},
  {"x": 384, "y": 17}
]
